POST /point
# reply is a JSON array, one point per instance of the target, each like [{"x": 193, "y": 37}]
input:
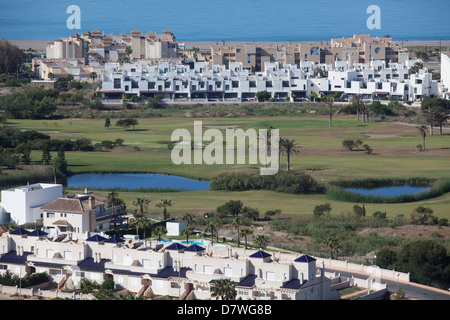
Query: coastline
[{"x": 40, "y": 45}]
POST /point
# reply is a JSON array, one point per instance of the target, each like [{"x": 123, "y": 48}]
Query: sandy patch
[
  {"x": 221, "y": 127},
  {"x": 381, "y": 136}
]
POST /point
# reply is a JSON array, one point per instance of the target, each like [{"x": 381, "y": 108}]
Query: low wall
[
  {"x": 379, "y": 295},
  {"x": 377, "y": 271},
  {"x": 49, "y": 294}
]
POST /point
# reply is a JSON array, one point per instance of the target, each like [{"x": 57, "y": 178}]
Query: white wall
[{"x": 23, "y": 202}]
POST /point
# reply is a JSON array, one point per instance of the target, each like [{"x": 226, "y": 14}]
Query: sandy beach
[{"x": 40, "y": 45}]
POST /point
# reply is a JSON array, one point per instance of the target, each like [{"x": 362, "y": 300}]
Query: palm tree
[
  {"x": 225, "y": 289},
  {"x": 187, "y": 231},
  {"x": 329, "y": 100},
  {"x": 423, "y": 131},
  {"x": 359, "y": 104},
  {"x": 141, "y": 202},
  {"x": 164, "y": 203},
  {"x": 188, "y": 218},
  {"x": 138, "y": 221},
  {"x": 288, "y": 147},
  {"x": 211, "y": 227},
  {"x": 236, "y": 223},
  {"x": 261, "y": 241},
  {"x": 159, "y": 230},
  {"x": 245, "y": 233},
  {"x": 334, "y": 244}
]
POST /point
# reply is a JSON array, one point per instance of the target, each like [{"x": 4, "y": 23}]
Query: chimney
[{"x": 91, "y": 202}]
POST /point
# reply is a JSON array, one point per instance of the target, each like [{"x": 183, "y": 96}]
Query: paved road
[{"x": 412, "y": 290}]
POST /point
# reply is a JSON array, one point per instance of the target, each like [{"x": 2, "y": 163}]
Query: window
[
  {"x": 127, "y": 260},
  {"x": 270, "y": 275},
  {"x": 117, "y": 83},
  {"x": 68, "y": 255},
  {"x": 249, "y": 58},
  {"x": 50, "y": 253},
  {"x": 80, "y": 274},
  {"x": 227, "y": 271},
  {"x": 146, "y": 263},
  {"x": 50, "y": 215},
  {"x": 134, "y": 281},
  {"x": 151, "y": 85},
  {"x": 207, "y": 269},
  {"x": 3, "y": 267},
  {"x": 95, "y": 276}
]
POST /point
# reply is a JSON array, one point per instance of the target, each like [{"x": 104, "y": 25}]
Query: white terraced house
[
  {"x": 153, "y": 269},
  {"x": 288, "y": 83}
]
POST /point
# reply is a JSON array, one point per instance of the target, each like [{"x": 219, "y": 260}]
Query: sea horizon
[{"x": 233, "y": 21}]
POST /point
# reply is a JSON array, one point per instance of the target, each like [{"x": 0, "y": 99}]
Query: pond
[
  {"x": 134, "y": 180},
  {"x": 390, "y": 191}
]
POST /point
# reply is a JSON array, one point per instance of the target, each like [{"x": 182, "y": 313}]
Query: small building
[
  {"x": 23, "y": 204},
  {"x": 174, "y": 228}
]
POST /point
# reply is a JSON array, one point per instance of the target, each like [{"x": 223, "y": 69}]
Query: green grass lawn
[{"x": 321, "y": 155}]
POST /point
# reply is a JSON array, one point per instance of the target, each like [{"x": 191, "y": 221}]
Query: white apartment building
[
  {"x": 287, "y": 83},
  {"x": 444, "y": 88},
  {"x": 23, "y": 204},
  {"x": 150, "y": 269}
]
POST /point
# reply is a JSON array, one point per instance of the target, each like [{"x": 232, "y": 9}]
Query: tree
[
  {"x": 188, "y": 218},
  {"x": 436, "y": 111},
  {"x": 232, "y": 207},
  {"x": 289, "y": 148},
  {"x": 322, "y": 209},
  {"x": 126, "y": 123},
  {"x": 246, "y": 233},
  {"x": 425, "y": 259},
  {"x": 46, "y": 156},
  {"x": 224, "y": 288},
  {"x": 107, "y": 123},
  {"x": 334, "y": 244},
  {"x": 212, "y": 228},
  {"x": 423, "y": 132},
  {"x": 164, "y": 203},
  {"x": 187, "y": 231},
  {"x": 236, "y": 223},
  {"x": 139, "y": 221},
  {"x": 93, "y": 76},
  {"x": 358, "y": 102},
  {"x": 359, "y": 211},
  {"x": 154, "y": 102},
  {"x": 160, "y": 230},
  {"x": 263, "y": 96},
  {"x": 60, "y": 162},
  {"x": 11, "y": 57},
  {"x": 271, "y": 213},
  {"x": 141, "y": 202},
  {"x": 261, "y": 241},
  {"x": 329, "y": 100}
]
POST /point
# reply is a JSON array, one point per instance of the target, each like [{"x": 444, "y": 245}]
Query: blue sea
[{"x": 230, "y": 20}]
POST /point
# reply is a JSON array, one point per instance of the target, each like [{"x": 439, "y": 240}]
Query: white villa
[
  {"x": 199, "y": 81},
  {"x": 23, "y": 204}
]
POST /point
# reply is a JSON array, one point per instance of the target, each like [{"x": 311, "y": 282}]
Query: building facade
[
  {"x": 361, "y": 48},
  {"x": 286, "y": 83},
  {"x": 23, "y": 204},
  {"x": 153, "y": 269}
]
